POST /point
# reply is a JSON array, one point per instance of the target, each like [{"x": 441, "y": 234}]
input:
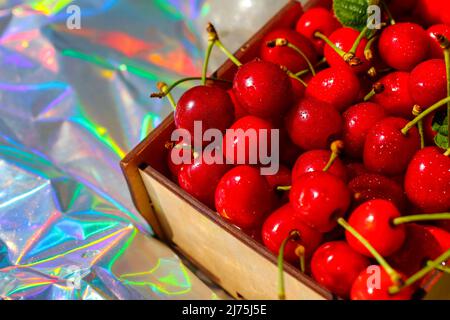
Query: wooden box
[{"x": 232, "y": 259}]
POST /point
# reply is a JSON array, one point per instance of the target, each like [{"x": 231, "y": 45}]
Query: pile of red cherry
[{"x": 361, "y": 140}]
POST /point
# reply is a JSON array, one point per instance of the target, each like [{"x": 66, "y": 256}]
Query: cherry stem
[
  {"x": 416, "y": 111},
  {"x": 394, "y": 275},
  {"x": 323, "y": 37},
  {"x": 166, "y": 92},
  {"x": 170, "y": 145},
  {"x": 300, "y": 252},
  {"x": 302, "y": 73},
  {"x": 440, "y": 267},
  {"x": 422, "y": 273},
  {"x": 421, "y": 217},
  {"x": 228, "y": 53},
  {"x": 358, "y": 40},
  {"x": 293, "y": 235},
  {"x": 376, "y": 89},
  {"x": 214, "y": 36},
  {"x": 447, "y": 153},
  {"x": 370, "y": 95},
  {"x": 385, "y": 70},
  {"x": 284, "y": 188},
  {"x": 421, "y": 133},
  {"x": 281, "y": 42},
  {"x": 336, "y": 149},
  {"x": 211, "y": 44},
  {"x": 428, "y": 111},
  {"x": 293, "y": 76},
  {"x": 348, "y": 57},
  {"x": 372, "y": 72},
  {"x": 306, "y": 71},
  {"x": 388, "y": 12},
  {"x": 368, "y": 53}
]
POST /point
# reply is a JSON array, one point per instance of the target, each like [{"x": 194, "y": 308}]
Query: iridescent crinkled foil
[{"x": 73, "y": 102}]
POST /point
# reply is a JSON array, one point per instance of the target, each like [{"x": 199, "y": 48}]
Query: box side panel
[
  {"x": 237, "y": 267},
  {"x": 438, "y": 286}
]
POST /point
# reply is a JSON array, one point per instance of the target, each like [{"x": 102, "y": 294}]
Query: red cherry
[
  {"x": 403, "y": 45},
  {"x": 316, "y": 160},
  {"x": 254, "y": 233},
  {"x": 263, "y": 89},
  {"x": 282, "y": 178},
  {"x": 338, "y": 86},
  {"x": 317, "y": 19},
  {"x": 209, "y": 104},
  {"x": 427, "y": 180},
  {"x": 243, "y": 197},
  {"x": 358, "y": 120},
  {"x": 181, "y": 150},
  {"x": 366, "y": 287},
  {"x": 445, "y": 15},
  {"x": 201, "y": 179},
  {"x": 344, "y": 38},
  {"x": 319, "y": 199},
  {"x": 286, "y": 56},
  {"x": 441, "y": 235},
  {"x": 277, "y": 228},
  {"x": 335, "y": 265},
  {"x": 443, "y": 29},
  {"x": 420, "y": 246},
  {"x": 387, "y": 150},
  {"x": 239, "y": 110},
  {"x": 355, "y": 169},
  {"x": 366, "y": 86},
  {"x": 327, "y": 4},
  {"x": 372, "y": 186},
  {"x": 289, "y": 152},
  {"x": 428, "y": 82},
  {"x": 395, "y": 98},
  {"x": 407, "y": 17},
  {"x": 402, "y": 7},
  {"x": 299, "y": 88},
  {"x": 431, "y": 11},
  {"x": 373, "y": 220},
  {"x": 377, "y": 62},
  {"x": 444, "y": 224},
  {"x": 313, "y": 124},
  {"x": 238, "y": 137}
]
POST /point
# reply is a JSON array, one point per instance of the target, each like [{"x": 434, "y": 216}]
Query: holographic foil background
[{"x": 73, "y": 102}]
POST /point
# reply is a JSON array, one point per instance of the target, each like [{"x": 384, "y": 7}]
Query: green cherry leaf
[
  {"x": 441, "y": 127},
  {"x": 441, "y": 141},
  {"x": 352, "y": 13}
]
